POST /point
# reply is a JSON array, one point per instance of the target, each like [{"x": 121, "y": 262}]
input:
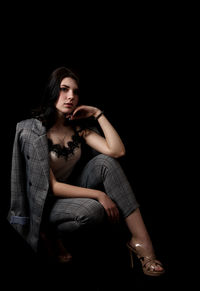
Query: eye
[
  {"x": 76, "y": 91},
  {"x": 64, "y": 89}
]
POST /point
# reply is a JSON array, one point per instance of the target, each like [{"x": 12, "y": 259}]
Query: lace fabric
[{"x": 65, "y": 151}]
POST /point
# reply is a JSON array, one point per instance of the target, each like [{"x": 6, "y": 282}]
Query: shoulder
[
  {"x": 31, "y": 124},
  {"x": 27, "y": 123},
  {"x": 79, "y": 130}
]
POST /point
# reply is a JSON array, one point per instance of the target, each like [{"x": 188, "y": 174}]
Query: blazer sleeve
[{"x": 18, "y": 214}]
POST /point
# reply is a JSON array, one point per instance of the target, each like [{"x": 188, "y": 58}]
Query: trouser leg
[
  {"x": 107, "y": 171},
  {"x": 71, "y": 214}
]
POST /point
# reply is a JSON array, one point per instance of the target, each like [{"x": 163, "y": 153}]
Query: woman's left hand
[{"x": 85, "y": 111}]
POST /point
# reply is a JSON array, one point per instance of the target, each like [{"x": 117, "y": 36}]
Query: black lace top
[
  {"x": 64, "y": 158},
  {"x": 65, "y": 151}
]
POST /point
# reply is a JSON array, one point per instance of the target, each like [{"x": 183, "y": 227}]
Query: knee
[
  {"x": 90, "y": 213},
  {"x": 106, "y": 161},
  {"x": 106, "y": 165}
]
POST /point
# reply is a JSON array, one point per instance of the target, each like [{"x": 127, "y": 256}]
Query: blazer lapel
[{"x": 41, "y": 148}]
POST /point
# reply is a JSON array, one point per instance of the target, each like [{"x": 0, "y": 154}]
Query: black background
[{"x": 132, "y": 69}]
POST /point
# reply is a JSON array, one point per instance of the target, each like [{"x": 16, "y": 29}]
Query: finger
[
  {"x": 78, "y": 108},
  {"x": 113, "y": 215},
  {"x": 80, "y": 114},
  {"x": 109, "y": 214},
  {"x": 76, "y": 116},
  {"x": 116, "y": 216},
  {"x": 68, "y": 116}
]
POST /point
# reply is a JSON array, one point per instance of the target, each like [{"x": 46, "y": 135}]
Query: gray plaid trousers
[{"x": 69, "y": 214}]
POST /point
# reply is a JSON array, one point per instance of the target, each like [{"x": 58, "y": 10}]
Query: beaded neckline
[{"x": 65, "y": 151}]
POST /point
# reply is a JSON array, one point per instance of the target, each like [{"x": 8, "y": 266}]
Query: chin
[{"x": 67, "y": 110}]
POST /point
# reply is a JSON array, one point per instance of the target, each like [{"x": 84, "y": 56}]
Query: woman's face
[{"x": 68, "y": 98}]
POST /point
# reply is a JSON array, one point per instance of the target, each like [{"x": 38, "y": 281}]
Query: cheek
[
  {"x": 59, "y": 100},
  {"x": 57, "y": 103},
  {"x": 77, "y": 101}
]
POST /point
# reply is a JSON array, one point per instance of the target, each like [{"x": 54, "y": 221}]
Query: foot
[
  {"x": 63, "y": 256},
  {"x": 145, "y": 253}
]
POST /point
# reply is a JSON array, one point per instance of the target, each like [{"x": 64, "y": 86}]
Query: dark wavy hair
[{"x": 46, "y": 112}]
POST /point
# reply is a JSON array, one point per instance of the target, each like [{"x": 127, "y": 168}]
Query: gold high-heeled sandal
[{"x": 148, "y": 261}]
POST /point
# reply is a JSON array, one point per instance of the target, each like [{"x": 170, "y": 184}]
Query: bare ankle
[{"x": 144, "y": 242}]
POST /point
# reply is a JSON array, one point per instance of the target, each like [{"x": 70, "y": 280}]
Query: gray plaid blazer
[{"x": 29, "y": 179}]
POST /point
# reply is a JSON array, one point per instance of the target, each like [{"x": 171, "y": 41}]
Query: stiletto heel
[{"x": 148, "y": 261}]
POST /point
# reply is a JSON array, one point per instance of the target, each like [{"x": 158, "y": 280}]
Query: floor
[{"x": 96, "y": 266}]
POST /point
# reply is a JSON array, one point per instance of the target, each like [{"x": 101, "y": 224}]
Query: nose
[{"x": 70, "y": 95}]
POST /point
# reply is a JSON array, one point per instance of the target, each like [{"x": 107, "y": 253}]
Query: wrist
[
  {"x": 99, "y": 195},
  {"x": 97, "y": 112},
  {"x": 97, "y": 116}
]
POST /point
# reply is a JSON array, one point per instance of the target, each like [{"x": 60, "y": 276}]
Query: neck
[{"x": 60, "y": 120}]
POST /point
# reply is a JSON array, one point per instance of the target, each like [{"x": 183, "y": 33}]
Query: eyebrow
[{"x": 65, "y": 85}]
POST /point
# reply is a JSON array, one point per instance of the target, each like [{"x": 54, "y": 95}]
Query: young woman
[{"x": 47, "y": 149}]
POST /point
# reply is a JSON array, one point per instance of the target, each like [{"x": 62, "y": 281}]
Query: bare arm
[
  {"x": 70, "y": 191},
  {"x": 111, "y": 144}
]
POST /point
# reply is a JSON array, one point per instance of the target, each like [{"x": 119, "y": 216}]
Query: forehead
[{"x": 69, "y": 82}]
